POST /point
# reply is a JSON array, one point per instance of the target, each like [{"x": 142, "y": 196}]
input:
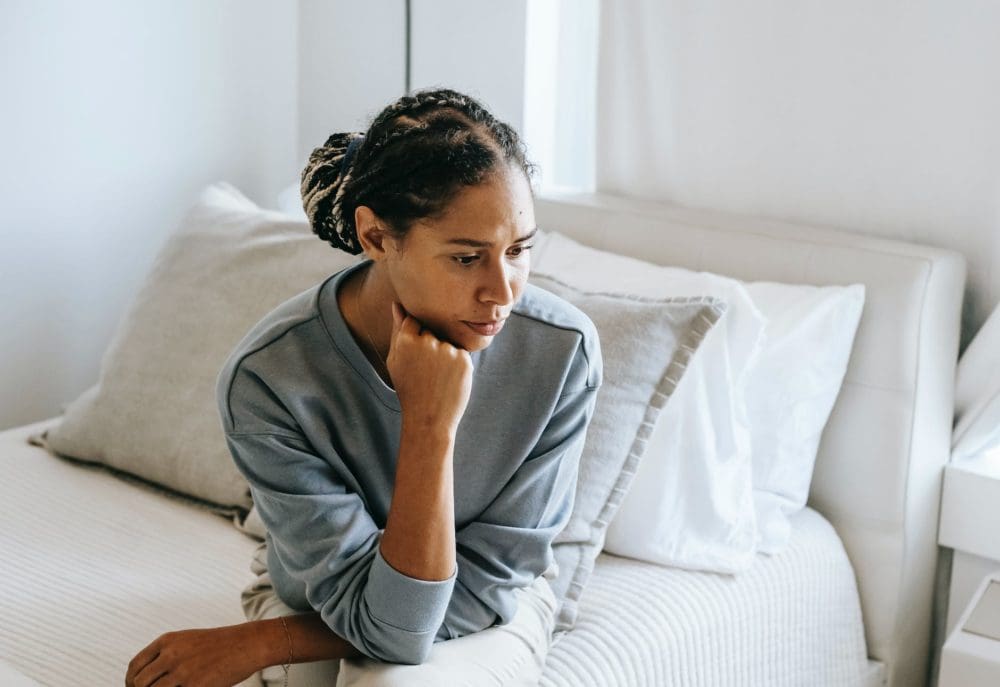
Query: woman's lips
[{"x": 488, "y": 329}]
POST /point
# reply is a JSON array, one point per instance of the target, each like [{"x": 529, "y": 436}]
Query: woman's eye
[{"x": 468, "y": 260}]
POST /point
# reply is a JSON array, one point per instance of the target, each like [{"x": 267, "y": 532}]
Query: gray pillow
[
  {"x": 153, "y": 414},
  {"x": 646, "y": 344}
]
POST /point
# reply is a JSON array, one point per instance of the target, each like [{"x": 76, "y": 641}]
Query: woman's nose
[{"x": 497, "y": 288}]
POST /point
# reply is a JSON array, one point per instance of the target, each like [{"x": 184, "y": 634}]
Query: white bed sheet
[
  {"x": 94, "y": 569},
  {"x": 790, "y": 619}
]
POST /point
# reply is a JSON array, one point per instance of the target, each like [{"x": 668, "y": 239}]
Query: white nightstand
[
  {"x": 970, "y": 524},
  {"x": 971, "y": 655}
]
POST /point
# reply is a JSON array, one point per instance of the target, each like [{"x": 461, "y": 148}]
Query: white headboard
[{"x": 878, "y": 472}]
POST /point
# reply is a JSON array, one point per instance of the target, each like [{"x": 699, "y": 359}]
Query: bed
[{"x": 851, "y": 602}]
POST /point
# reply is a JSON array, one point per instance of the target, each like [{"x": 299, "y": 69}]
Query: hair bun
[{"x": 322, "y": 187}]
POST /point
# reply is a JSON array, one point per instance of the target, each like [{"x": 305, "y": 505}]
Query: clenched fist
[{"x": 432, "y": 378}]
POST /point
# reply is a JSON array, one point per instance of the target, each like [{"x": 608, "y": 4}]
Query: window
[{"x": 560, "y": 87}]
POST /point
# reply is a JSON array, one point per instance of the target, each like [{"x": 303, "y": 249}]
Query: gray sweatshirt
[{"x": 315, "y": 431}]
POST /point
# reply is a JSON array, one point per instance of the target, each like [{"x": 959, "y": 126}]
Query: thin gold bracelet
[{"x": 289, "y": 663}]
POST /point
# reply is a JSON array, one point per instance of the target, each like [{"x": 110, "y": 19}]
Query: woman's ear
[{"x": 371, "y": 233}]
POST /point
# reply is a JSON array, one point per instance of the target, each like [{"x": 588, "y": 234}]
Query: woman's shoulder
[
  {"x": 547, "y": 308},
  {"x": 564, "y": 332},
  {"x": 275, "y": 338},
  {"x": 281, "y": 320}
]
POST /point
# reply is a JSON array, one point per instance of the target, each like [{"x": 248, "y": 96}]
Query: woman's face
[{"x": 470, "y": 264}]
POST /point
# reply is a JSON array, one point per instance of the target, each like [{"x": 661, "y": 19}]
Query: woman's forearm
[
  {"x": 311, "y": 640},
  {"x": 419, "y": 541},
  {"x": 419, "y": 537}
]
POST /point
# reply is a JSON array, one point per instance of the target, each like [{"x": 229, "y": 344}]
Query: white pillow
[
  {"x": 690, "y": 503},
  {"x": 977, "y": 393},
  {"x": 791, "y": 391},
  {"x": 755, "y": 403}
]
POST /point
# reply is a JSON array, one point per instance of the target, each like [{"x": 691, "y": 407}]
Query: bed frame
[{"x": 880, "y": 463}]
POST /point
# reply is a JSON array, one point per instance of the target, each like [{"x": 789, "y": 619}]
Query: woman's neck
[{"x": 366, "y": 308}]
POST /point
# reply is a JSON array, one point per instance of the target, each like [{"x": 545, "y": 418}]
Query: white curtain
[
  {"x": 875, "y": 117},
  {"x": 710, "y": 103},
  {"x": 634, "y": 151},
  {"x": 851, "y": 113}
]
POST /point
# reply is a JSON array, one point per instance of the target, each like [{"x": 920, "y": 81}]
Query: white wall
[
  {"x": 877, "y": 118},
  {"x": 352, "y": 58},
  {"x": 473, "y": 46},
  {"x": 114, "y": 115}
]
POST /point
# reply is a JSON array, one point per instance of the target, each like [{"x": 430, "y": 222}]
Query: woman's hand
[
  {"x": 214, "y": 657},
  {"x": 432, "y": 378}
]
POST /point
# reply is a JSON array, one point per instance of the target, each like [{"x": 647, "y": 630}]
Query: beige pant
[{"x": 511, "y": 655}]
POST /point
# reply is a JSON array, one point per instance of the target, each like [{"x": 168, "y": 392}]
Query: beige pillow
[{"x": 153, "y": 413}]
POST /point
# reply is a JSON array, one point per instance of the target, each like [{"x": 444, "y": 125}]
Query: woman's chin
[
  {"x": 467, "y": 338},
  {"x": 473, "y": 342}
]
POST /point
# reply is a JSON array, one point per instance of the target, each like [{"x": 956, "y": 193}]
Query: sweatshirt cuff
[{"x": 405, "y": 602}]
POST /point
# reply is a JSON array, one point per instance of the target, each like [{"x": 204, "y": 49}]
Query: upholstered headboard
[{"x": 878, "y": 472}]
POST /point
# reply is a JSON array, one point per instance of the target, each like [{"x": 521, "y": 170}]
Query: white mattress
[
  {"x": 93, "y": 569},
  {"x": 791, "y": 619}
]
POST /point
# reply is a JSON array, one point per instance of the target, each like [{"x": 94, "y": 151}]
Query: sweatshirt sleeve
[
  {"x": 510, "y": 544},
  {"x": 323, "y": 535}
]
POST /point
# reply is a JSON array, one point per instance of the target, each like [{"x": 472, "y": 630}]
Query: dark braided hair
[{"x": 417, "y": 154}]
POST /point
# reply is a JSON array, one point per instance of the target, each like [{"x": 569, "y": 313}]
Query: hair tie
[{"x": 349, "y": 155}]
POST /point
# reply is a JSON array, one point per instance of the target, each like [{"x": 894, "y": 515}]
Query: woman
[{"x": 411, "y": 427}]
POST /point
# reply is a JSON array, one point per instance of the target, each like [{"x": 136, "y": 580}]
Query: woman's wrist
[
  {"x": 295, "y": 638},
  {"x": 265, "y": 642},
  {"x": 435, "y": 437}
]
